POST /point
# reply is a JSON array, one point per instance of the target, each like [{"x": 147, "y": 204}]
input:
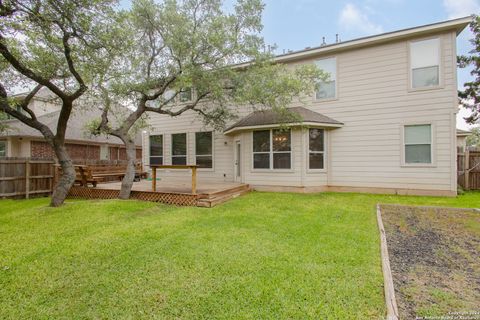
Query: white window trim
[
  {"x": 179, "y": 97},
  {"x": 213, "y": 151},
  {"x": 307, "y": 138},
  {"x": 105, "y": 152},
  {"x": 433, "y": 163},
  {"x": 163, "y": 148},
  {"x": 440, "y": 85},
  {"x": 178, "y": 155},
  {"x": 336, "y": 82},
  {"x": 271, "y": 153}
]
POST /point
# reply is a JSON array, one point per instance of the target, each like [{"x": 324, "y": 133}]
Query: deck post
[
  {"x": 466, "y": 168},
  {"x": 154, "y": 179},
  {"x": 27, "y": 178},
  {"x": 194, "y": 180},
  {"x": 83, "y": 174}
]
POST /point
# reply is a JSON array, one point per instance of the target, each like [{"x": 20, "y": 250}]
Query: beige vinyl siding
[
  {"x": 190, "y": 123},
  {"x": 374, "y": 101}
]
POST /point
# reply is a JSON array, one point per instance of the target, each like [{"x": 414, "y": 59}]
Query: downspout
[
  {"x": 329, "y": 157},
  {"x": 453, "y": 120},
  {"x": 303, "y": 157}
]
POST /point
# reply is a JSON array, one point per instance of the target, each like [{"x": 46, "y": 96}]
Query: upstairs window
[
  {"x": 156, "y": 149},
  {"x": 204, "y": 149},
  {"x": 425, "y": 63},
  {"x": 185, "y": 95},
  {"x": 327, "y": 89},
  {"x": 316, "y": 149},
  {"x": 179, "y": 149},
  {"x": 272, "y": 149},
  {"x": 418, "y": 144},
  {"x": 169, "y": 96}
]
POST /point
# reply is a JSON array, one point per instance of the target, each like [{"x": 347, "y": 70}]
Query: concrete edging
[{"x": 390, "y": 301}]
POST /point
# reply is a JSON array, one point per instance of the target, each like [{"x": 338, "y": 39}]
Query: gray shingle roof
[
  {"x": 270, "y": 117},
  {"x": 75, "y": 129}
]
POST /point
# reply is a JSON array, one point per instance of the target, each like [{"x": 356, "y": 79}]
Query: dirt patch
[{"x": 435, "y": 260}]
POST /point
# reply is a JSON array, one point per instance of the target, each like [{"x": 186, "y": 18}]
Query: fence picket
[{"x": 468, "y": 170}]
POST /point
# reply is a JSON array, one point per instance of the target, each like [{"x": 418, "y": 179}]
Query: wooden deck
[{"x": 170, "y": 192}]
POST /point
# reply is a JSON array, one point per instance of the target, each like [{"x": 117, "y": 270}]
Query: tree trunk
[
  {"x": 127, "y": 181},
  {"x": 67, "y": 178}
]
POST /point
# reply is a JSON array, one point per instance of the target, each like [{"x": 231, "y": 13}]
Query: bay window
[
  {"x": 156, "y": 149},
  {"x": 204, "y": 149},
  {"x": 272, "y": 149},
  {"x": 179, "y": 149},
  {"x": 327, "y": 89},
  {"x": 418, "y": 144},
  {"x": 261, "y": 149},
  {"x": 316, "y": 148},
  {"x": 425, "y": 63}
]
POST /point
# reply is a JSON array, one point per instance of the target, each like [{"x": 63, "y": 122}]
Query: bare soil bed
[{"x": 435, "y": 261}]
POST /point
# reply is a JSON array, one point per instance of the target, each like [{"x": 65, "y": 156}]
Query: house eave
[
  {"x": 457, "y": 24},
  {"x": 73, "y": 141},
  {"x": 277, "y": 125}
]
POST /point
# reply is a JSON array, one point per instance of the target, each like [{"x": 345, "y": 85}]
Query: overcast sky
[{"x": 296, "y": 24}]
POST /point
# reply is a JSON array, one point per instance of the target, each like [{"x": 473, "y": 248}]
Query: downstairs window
[
  {"x": 204, "y": 149},
  {"x": 418, "y": 144},
  {"x": 316, "y": 148},
  {"x": 272, "y": 149},
  {"x": 179, "y": 149},
  {"x": 156, "y": 149}
]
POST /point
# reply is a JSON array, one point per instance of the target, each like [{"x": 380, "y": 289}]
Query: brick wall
[
  {"x": 41, "y": 149},
  {"x": 119, "y": 153},
  {"x": 83, "y": 151}
]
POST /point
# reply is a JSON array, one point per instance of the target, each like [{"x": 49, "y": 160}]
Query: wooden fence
[
  {"x": 25, "y": 177},
  {"x": 468, "y": 170}
]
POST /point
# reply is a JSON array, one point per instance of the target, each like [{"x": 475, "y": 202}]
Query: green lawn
[{"x": 261, "y": 256}]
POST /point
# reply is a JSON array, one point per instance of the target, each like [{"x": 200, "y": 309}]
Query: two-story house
[{"x": 384, "y": 122}]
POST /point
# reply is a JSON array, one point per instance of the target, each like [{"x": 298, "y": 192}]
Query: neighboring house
[
  {"x": 384, "y": 122},
  {"x": 462, "y": 139},
  {"x": 20, "y": 140}
]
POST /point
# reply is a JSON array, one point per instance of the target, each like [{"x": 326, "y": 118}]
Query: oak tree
[{"x": 193, "y": 56}]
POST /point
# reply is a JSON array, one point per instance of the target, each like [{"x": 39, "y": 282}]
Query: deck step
[
  {"x": 223, "y": 192},
  {"x": 223, "y": 196}
]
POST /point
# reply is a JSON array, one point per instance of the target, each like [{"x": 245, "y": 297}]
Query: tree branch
[
  {"x": 5, "y": 52},
  {"x": 68, "y": 56},
  {"x": 187, "y": 107},
  {"x": 5, "y": 107},
  {"x": 26, "y": 101}
]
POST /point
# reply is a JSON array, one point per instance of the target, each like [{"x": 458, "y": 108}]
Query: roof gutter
[
  {"x": 457, "y": 24},
  {"x": 277, "y": 125}
]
